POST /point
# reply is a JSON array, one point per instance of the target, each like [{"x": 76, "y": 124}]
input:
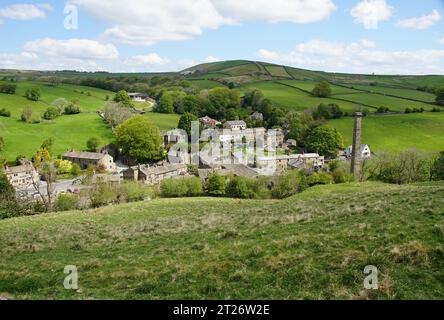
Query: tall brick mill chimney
[{"x": 357, "y": 141}]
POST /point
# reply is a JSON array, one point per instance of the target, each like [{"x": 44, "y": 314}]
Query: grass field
[
  {"x": 164, "y": 121},
  {"x": 312, "y": 246},
  {"x": 292, "y": 98},
  {"x": 403, "y": 93},
  {"x": 68, "y": 131},
  {"x": 424, "y": 131}
]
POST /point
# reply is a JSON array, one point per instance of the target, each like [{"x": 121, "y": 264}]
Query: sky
[{"x": 353, "y": 36}]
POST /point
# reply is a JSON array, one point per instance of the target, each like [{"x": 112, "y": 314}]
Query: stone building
[
  {"x": 155, "y": 174},
  {"x": 23, "y": 176},
  {"x": 88, "y": 159}
]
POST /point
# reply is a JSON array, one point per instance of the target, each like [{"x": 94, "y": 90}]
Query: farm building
[
  {"x": 156, "y": 174},
  {"x": 366, "y": 153},
  {"x": 139, "y": 97},
  {"x": 23, "y": 176},
  {"x": 236, "y": 125},
  {"x": 209, "y": 122},
  {"x": 298, "y": 161},
  {"x": 88, "y": 159}
]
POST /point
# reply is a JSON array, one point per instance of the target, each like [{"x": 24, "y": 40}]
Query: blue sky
[{"x": 365, "y": 36}]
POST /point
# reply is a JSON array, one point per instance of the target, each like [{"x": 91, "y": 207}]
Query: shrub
[
  {"x": 342, "y": 176},
  {"x": 8, "y": 88},
  {"x": 289, "y": 184},
  {"x": 93, "y": 144},
  {"x": 320, "y": 178},
  {"x": 245, "y": 188},
  {"x": 33, "y": 94},
  {"x": 103, "y": 194},
  {"x": 5, "y": 113},
  {"x": 63, "y": 166},
  {"x": 133, "y": 191},
  {"x": 438, "y": 168},
  {"x": 406, "y": 167},
  {"x": 75, "y": 169},
  {"x": 72, "y": 108},
  {"x": 177, "y": 188},
  {"x": 51, "y": 113},
  {"x": 66, "y": 202},
  {"x": 26, "y": 114},
  {"x": 215, "y": 185}
]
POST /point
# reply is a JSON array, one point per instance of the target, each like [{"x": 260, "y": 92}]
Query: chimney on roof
[{"x": 357, "y": 140}]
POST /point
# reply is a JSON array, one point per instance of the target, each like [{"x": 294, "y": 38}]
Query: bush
[
  {"x": 26, "y": 114},
  {"x": 103, "y": 194},
  {"x": 215, "y": 185},
  {"x": 66, "y": 202},
  {"x": 51, "y": 113},
  {"x": 289, "y": 184},
  {"x": 178, "y": 188},
  {"x": 72, "y": 108},
  {"x": 320, "y": 178},
  {"x": 245, "y": 188},
  {"x": 8, "y": 88},
  {"x": 63, "y": 166},
  {"x": 132, "y": 192},
  {"x": 342, "y": 176},
  {"x": 407, "y": 167},
  {"x": 438, "y": 168},
  {"x": 33, "y": 94},
  {"x": 75, "y": 169},
  {"x": 5, "y": 113},
  {"x": 2, "y": 144},
  {"x": 93, "y": 144}
]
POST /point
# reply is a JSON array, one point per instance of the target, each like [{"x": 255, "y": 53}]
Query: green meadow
[
  {"x": 314, "y": 245},
  {"x": 423, "y": 131}
]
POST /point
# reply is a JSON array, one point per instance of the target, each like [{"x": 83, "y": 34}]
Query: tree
[
  {"x": 73, "y": 107},
  {"x": 93, "y": 144},
  {"x": 440, "y": 96},
  {"x": 6, "y": 189},
  {"x": 60, "y": 103},
  {"x": 224, "y": 98},
  {"x": 140, "y": 139},
  {"x": 75, "y": 170},
  {"x": 166, "y": 104},
  {"x": 185, "y": 122},
  {"x": 115, "y": 114},
  {"x": 438, "y": 168},
  {"x": 123, "y": 98},
  {"x": 48, "y": 144},
  {"x": 26, "y": 114},
  {"x": 8, "y": 88},
  {"x": 216, "y": 185},
  {"x": 322, "y": 90},
  {"x": 324, "y": 140},
  {"x": 51, "y": 113},
  {"x": 63, "y": 166},
  {"x": 33, "y": 94},
  {"x": 327, "y": 112}
]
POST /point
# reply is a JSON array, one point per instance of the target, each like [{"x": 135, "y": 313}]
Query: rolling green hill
[
  {"x": 69, "y": 131},
  {"x": 312, "y": 246},
  {"x": 425, "y": 132}
]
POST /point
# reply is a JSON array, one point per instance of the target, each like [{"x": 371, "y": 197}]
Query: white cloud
[
  {"x": 421, "y": 23},
  {"x": 145, "y": 22},
  {"x": 296, "y": 11},
  {"x": 441, "y": 40},
  {"x": 357, "y": 57},
  {"x": 76, "y": 49},
  {"x": 22, "y": 11},
  {"x": 370, "y": 12},
  {"x": 150, "y": 60},
  {"x": 24, "y": 60},
  {"x": 210, "y": 59}
]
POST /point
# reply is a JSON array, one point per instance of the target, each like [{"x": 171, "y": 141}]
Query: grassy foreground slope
[
  {"x": 423, "y": 131},
  {"x": 312, "y": 246}
]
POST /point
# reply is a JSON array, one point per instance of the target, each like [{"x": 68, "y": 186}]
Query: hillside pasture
[
  {"x": 394, "y": 133},
  {"x": 293, "y": 99},
  {"x": 314, "y": 245},
  {"x": 69, "y": 132}
]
